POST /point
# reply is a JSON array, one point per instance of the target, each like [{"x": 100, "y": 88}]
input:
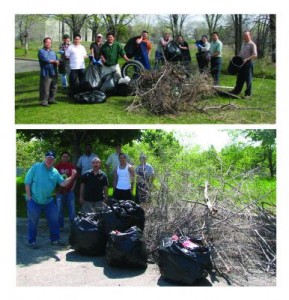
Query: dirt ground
[{"x": 63, "y": 267}]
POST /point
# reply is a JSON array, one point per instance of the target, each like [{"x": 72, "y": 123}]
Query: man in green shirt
[
  {"x": 109, "y": 53},
  {"x": 40, "y": 182},
  {"x": 216, "y": 48}
]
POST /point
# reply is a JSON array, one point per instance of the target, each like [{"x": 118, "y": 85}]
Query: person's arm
[
  {"x": 67, "y": 181},
  {"x": 131, "y": 172},
  {"x": 125, "y": 58},
  {"x": 114, "y": 179},
  {"x": 28, "y": 192}
]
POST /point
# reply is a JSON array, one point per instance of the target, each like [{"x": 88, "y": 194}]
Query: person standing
[
  {"x": 95, "y": 47},
  {"x": 48, "y": 62},
  {"x": 76, "y": 54},
  {"x": 203, "y": 54},
  {"x": 159, "y": 54},
  {"x": 113, "y": 160},
  {"x": 109, "y": 53},
  {"x": 216, "y": 48},
  {"x": 64, "y": 67},
  {"x": 144, "y": 47},
  {"x": 65, "y": 195},
  {"x": 144, "y": 178},
  {"x": 40, "y": 182},
  {"x": 93, "y": 188},
  {"x": 185, "y": 50},
  {"x": 248, "y": 53},
  {"x": 123, "y": 180},
  {"x": 85, "y": 160}
]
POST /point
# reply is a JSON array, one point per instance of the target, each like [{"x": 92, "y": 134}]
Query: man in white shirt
[
  {"x": 76, "y": 53},
  {"x": 85, "y": 161}
]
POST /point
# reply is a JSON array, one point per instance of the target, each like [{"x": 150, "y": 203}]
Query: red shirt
[{"x": 65, "y": 170}]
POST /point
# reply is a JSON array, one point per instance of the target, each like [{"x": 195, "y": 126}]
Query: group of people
[
  {"x": 44, "y": 177},
  {"x": 106, "y": 54}
]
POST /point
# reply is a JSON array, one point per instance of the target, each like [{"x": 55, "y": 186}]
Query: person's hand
[{"x": 73, "y": 172}]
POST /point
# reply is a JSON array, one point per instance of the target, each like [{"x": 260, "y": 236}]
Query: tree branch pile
[
  {"x": 239, "y": 230},
  {"x": 171, "y": 89}
]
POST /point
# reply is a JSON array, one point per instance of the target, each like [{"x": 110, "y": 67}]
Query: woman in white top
[{"x": 123, "y": 179}]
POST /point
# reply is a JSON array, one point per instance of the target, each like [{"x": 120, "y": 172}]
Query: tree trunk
[{"x": 272, "y": 24}]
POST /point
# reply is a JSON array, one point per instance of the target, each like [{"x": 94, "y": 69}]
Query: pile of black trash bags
[
  {"x": 95, "y": 89},
  {"x": 116, "y": 232}
]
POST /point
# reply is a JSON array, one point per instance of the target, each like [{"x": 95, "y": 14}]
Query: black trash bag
[
  {"x": 121, "y": 216},
  {"x": 64, "y": 67},
  {"x": 108, "y": 84},
  {"x": 91, "y": 79},
  {"x": 87, "y": 235},
  {"x": 173, "y": 52},
  {"x": 125, "y": 89},
  {"x": 131, "y": 211},
  {"x": 184, "y": 260},
  {"x": 131, "y": 47},
  {"x": 126, "y": 249},
  {"x": 93, "y": 97},
  {"x": 236, "y": 63}
]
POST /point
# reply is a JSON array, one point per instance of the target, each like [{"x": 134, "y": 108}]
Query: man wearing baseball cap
[
  {"x": 40, "y": 182},
  {"x": 95, "y": 47}
]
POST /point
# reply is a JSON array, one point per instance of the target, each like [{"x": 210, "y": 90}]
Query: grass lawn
[{"x": 260, "y": 109}]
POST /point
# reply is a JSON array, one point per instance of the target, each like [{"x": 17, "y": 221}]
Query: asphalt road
[
  {"x": 50, "y": 266},
  {"x": 22, "y": 65}
]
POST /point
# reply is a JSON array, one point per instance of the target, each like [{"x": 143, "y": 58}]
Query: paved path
[
  {"x": 50, "y": 266},
  {"x": 23, "y": 65}
]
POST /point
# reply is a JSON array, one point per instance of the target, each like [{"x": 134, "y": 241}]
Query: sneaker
[
  {"x": 246, "y": 97},
  {"x": 233, "y": 92},
  {"x": 57, "y": 243},
  {"x": 44, "y": 103},
  {"x": 33, "y": 245}
]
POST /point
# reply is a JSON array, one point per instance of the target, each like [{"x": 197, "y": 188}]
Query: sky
[{"x": 204, "y": 137}]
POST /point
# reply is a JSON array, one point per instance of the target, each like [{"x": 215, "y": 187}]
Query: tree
[
  {"x": 213, "y": 22},
  {"x": 262, "y": 32},
  {"x": 94, "y": 23},
  {"x": 272, "y": 24},
  {"x": 75, "y": 22},
  {"x": 26, "y": 24},
  {"x": 176, "y": 24},
  {"x": 161, "y": 142},
  {"x": 117, "y": 23},
  {"x": 75, "y": 139},
  {"x": 238, "y": 30},
  {"x": 267, "y": 139}
]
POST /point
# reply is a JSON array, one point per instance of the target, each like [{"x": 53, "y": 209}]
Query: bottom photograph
[{"x": 146, "y": 207}]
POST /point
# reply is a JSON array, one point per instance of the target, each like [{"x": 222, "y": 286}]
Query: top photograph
[{"x": 145, "y": 69}]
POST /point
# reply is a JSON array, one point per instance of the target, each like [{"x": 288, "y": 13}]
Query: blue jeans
[
  {"x": 33, "y": 213},
  {"x": 64, "y": 82},
  {"x": 67, "y": 199},
  {"x": 216, "y": 65}
]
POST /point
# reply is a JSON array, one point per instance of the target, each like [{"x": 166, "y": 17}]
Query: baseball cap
[
  {"x": 99, "y": 35},
  {"x": 50, "y": 154}
]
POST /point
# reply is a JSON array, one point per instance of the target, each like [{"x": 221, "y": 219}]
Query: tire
[{"x": 132, "y": 69}]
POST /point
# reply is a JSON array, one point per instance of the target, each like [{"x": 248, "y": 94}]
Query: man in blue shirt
[
  {"x": 40, "y": 182},
  {"x": 48, "y": 62}
]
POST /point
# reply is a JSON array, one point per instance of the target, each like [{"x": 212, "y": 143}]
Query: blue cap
[{"x": 50, "y": 153}]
